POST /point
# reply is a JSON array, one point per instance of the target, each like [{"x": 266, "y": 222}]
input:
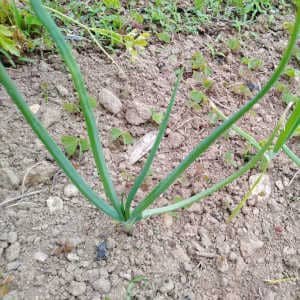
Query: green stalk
[
  {"x": 66, "y": 54},
  {"x": 291, "y": 155},
  {"x": 139, "y": 180},
  {"x": 53, "y": 148},
  {"x": 200, "y": 196},
  {"x": 291, "y": 125},
  {"x": 203, "y": 146}
]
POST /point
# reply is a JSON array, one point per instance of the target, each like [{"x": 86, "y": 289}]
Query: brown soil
[{"x": 191, "y": 255}]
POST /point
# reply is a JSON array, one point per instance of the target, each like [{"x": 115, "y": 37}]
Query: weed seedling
[
  {"x": 157, "y": 117},
  {"x": 72, "y": 143},
  {"x": 74, "y": 108},
  {"x": 241, "y": 90},
  {"x": 196, "y": 98},
  {"x": 234, "y": 44},
  {"x": 125, "y": 136},
  {"x": 252, "y": 63}
]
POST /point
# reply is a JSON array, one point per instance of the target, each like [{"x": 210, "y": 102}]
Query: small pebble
[
  {"x": 77, "y": 288},
  {"x": 12, "y": 252},
  {"x": 101, "y": 251},
  {"x": 70, "y": 190},
  {"x": 12, "y": 237},
  {"x": 167, "y": 286},
  {"x": 102, "y": 285},
  {"x": 55, "y": 204},
  {"x": 62, "y": 90},
  {"x": 110, "y": 101},
  {"x": 40, "y": 256}
]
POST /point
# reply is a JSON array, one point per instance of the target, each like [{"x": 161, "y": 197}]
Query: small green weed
[
  {"x": 234, "y": 44},
  {"x": 157, "y": 117},
  {"x": 252, "y": 63},
  {"x": 72, "y": 143},
  {"x": 74, "y": 108},
  {"x": 196, "y": 97},
  {"x": 125, "y": 136}
]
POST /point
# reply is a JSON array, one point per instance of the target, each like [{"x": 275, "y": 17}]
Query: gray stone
[
  {"x": 110, "y": 101},
  {"x": 249, "y": 246},
  {"x": 92, "y": 275},
  {"x": 70, "y": 190},
  {"x": 3, "y": 236},
  {"x": 279, "y": 185},
  {"x": 263, "y": 189},
  {"x": 222, "y": 264},
  {"x": 72, "y": 257},
  {"x": 51, "y": 115},
  {"x": 141, "y": 147},
  {"x": 175, "y": 139},
  {"x": 77, "y": 288},
  {"x": 12, "y": 237},
  {"x": 102, "y": 285},
  {"x": 12, "y": 252},
  {"x": 62, "y": 90},
  {"x": 8, "y": 178},
  {"x": 55, "y": 204},
  {"x": 110, "y": 243},
  {"x": 138, "y": 113},
  {"x": 167, "y": 286},
  {"x": 44, "y": 67},
  {"x": 40, "y": 256},
  {"x": 14, "y": 265},
  {"x": 205, "y": 239},
  {"x": 42, "y": 173}
]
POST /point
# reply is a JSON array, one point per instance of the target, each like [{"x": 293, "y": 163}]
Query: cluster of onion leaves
[{"x": 122, "y": 210}]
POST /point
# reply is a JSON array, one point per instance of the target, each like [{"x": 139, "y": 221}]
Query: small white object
[
  {"x": 35, "y": 108},
  {"x": 142, "y": 147},
  {"x": 54, "y": 204},
  {"x": 40, "y": 256},
  {"x": 70, "y": 190}
]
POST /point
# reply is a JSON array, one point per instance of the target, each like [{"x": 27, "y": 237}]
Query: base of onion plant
[{"x": 122, "y": 211}]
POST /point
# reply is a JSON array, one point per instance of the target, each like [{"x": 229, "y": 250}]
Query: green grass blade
[
  {"x": 162, "y": 128},
  {"x": 93, "y": 134},
  {"x": 200, "y": 196},
  {"x": 52, "y": 147},
  {"x": 291, "y": 125},
  {"x": 203, "y": 146},
  {"x": 291, "y": 155}
]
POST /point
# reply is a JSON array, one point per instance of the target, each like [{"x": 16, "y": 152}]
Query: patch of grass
[{"x": 20, "y": 31}]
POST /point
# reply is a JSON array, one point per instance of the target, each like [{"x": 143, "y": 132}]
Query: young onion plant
[{"x": 123, "y": 211}]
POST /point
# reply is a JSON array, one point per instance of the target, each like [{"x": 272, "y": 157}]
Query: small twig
[
  {"x": 21, "y": 197},
  {"x": 294, "y": 177},
  {"x": 25, "y": 176}
]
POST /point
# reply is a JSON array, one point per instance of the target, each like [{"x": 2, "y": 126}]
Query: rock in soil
[
  {"x": 12, "y": 252},
  {"x": 51, "y": 115},
  {"x": 102, "y": 285},
  {"x": 8, "y": 178},
  {"x": 138, "y": 113},
  {"x": 77, "y": 288},
  {"x": 70, "y": 190},
  {"x": 40, "y": 256},
  {"x": 175, "y": 139},
  {"x": 249, "y": 246},
  {"x": 62, "y": 90},
  {"x": 263, "y": 189},
  {"x": 110, "y": 101},
  {"x": 41, "y": 173},
  {"x": 141, "y": 147},
  {"x": 167, "y": 286},
  {"x": 55, "y": 204}
]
